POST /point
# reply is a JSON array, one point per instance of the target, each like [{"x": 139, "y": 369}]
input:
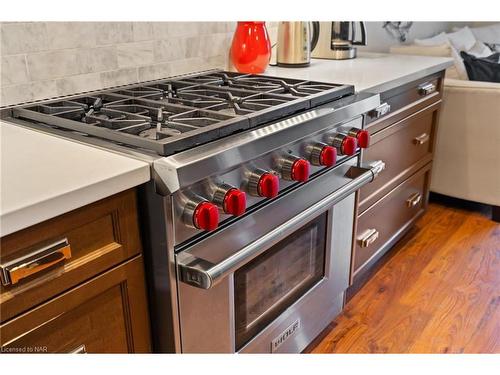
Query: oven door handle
[{"x": 204, "y": 274}]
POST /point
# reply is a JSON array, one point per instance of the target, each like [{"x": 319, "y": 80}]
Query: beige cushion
[
  {"x": 441, "y": 50},
  {"x": 452, "y": 73},
  {"x": 467, "y": 153}
]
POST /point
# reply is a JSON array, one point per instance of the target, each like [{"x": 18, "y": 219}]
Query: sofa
[{"x": 467, "y": 155}]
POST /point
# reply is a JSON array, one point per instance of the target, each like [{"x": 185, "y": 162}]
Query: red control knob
[
  {"x": 268, "y": 185},
  {"x": 349, "y": 146},
  {"x": 344, "y": 143},
  {"x": 363, "y": 137},
  {"x": 328, "y": 156},
  {"x": 235, "y": 202},
  {"x": 300, "y": 170},
  {"x": 206, "y": 216}
]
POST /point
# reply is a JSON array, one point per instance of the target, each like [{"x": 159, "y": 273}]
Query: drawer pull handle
[
  {"x": 421, "y": 139},
  {"x": 368, "y": 237},
  {"x": 426, "y": 89},
  {"x": 79, "y": 350},
  {"x": 18, "y": 269},
  {"x": 381, "y": 110},
  {"x": 413, "y": 200}
]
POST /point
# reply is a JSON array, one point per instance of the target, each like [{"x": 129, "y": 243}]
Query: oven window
[{"x": 270, "y": 283}]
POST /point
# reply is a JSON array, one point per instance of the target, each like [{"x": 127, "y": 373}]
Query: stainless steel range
[{"x": 248, "y": 220}]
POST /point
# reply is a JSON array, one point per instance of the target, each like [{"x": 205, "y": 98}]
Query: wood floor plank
[
  {"x": 439, "y": 293},
  {"x": 462, "y": 289}
]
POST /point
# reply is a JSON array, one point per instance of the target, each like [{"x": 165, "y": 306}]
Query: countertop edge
[
  {"x": 408, "y": 78},
  {"x": 30, "y": 215}
]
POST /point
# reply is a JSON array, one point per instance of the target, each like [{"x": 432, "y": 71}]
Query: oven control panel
[{"x": 206, "y": 205}]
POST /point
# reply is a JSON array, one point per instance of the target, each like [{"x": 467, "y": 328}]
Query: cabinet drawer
[
  {"x": 406, "y": 99},
  {"x": 382, "y": 223},
  {"x": 95, "y": 317},
  {"x": 48, "y": 258},
  {"x": 405, "y": 147}
]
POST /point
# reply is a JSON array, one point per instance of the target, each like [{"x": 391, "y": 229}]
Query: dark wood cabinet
[
  {"x": 382, "y": 223},
  {"x": 405, "y": 147},
  {"x": 404, "y": 139},
  {"x": 76, "y": 282},
  {"x": 107, "y": 314}
]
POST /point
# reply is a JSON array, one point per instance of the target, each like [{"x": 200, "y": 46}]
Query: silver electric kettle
[{"x": 296, "y": 40}]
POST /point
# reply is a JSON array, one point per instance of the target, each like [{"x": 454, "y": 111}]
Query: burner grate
[{"x": 171, "y": 115}]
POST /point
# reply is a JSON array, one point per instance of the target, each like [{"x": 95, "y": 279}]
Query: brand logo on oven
[{"x": 285, "y": 335}]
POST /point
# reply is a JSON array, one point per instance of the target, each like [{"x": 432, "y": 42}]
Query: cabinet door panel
[
  {"x": 107, "y": 314},
  {"x": 97, "y": 237},
  {"x": 405, "y": 147},
  {"x": 379, "y": 225}
]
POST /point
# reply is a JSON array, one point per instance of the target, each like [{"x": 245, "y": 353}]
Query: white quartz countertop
[
  {"x": 43, "y": 176},
  {"x": 374, "y": 72}
]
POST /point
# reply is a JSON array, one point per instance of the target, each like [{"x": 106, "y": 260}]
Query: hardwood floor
[{"x": 438, "y": 293}]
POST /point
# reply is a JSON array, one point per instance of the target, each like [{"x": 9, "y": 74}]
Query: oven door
[
  {"x": 273, "y": 280},
  {"x": 269, "y": 284}
]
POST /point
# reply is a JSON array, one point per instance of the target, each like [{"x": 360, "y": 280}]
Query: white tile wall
[
  {"x": 40, "y": 60},
  {"x": 135, "y": 54},
  {"x": 23, "y": 37},
  {"x": 14, "y": 69}
]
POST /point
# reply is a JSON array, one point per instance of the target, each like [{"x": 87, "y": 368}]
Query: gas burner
[{"x": 171, "y": 115}]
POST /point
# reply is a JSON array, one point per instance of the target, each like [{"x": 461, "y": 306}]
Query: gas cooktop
[{"x": 171, "y": 115}]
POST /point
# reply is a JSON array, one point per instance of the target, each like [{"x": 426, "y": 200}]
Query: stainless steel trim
[
  {"x": 203, "y": 274},
  {"x": 368, "y": 237},
  {"x": 158, "y": 239},
  {"x": 219, "y": 193},
  {"x": 253, "y": 181},
  {"x": 286, "y": 166},
  {"x": 343, "y": 54},
  {"x": 314, "y": 152},
  {"x": 426, "y": 88},
  {"x": 339, "y": 54},
  {"x": 191, "y": 203},
  {"x": 380, "y": 111},
  {"x": 413, "y": 200},
  {"x": 14, "y": 271},
  {"x": 79, "y": 350},
  {"x": 336, "y": 140},
  {"x": 188, "y": 167},
  {"x": 421, "y": 139}
]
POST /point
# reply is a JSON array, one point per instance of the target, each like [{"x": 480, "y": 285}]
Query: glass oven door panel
[{"x": 269, "y": 284}]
